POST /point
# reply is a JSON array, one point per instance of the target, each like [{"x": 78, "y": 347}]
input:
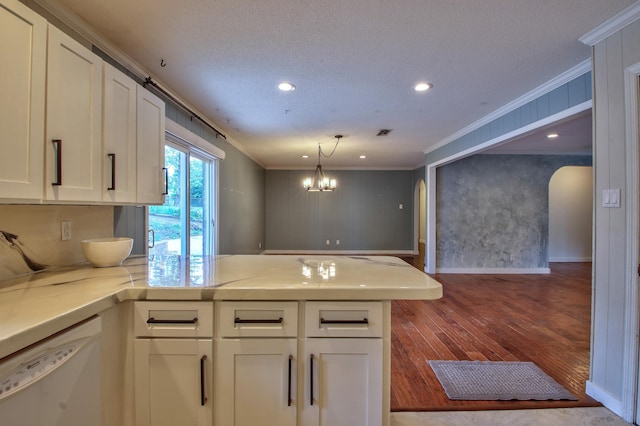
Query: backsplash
[{"x": 30, "y": 235}]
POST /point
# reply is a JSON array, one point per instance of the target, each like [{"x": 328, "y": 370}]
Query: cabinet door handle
[
  {"x": 166, "y": 181},
  {"x": 113, "y": 172},
  {"x": 311, "y": 379},
  {"x": 203, "y": 395},
  {"x": 362, "y": 321},
  {"x": 152, "y": 234},
  {"x": 257, "y": 321},
  {"x": 289, "y": 384},
  {"x": 171, "y": 321},
  {"x": 57, "y": 146}
]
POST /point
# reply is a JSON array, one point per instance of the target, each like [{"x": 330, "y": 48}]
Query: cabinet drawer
[
  {"x": 257, "y": 319},
  {"x": 343, "y": 319},
  {"x": 173, "y": 319}
]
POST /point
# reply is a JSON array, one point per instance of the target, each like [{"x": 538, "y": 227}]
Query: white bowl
[{"x": 105, "y": 252}]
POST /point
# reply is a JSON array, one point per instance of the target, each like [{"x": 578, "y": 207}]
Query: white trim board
[
  {"x": 570, "y": 259},
  {"x": 520, "y": 271},
  {"x": 174, "y": 129},
  {"x": 604, "y": 397},
  {"x": 344, "y": 252},
  {"x": 612, "y": 25},
  {"x": 630, "y": 374},
  {"x": 569, "y": 75}
]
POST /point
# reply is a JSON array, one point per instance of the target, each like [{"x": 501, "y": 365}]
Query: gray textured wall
[
  {"x": 362, "y": 213},
  {"x": 490, "y": 207}
]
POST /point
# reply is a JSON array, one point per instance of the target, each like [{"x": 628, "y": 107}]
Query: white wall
[
  {"x": 613, "y": 361},
  {"x": 570, "y": 213}
]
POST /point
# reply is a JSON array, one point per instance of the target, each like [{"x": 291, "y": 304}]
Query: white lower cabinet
[
  {"x": 270, "y": 372},
  {"x": 173, "y": 363},
  {"x": 255, "y": 382},
  {"x": 343, "y": 382},
  {"x": 173, "y": 382}
]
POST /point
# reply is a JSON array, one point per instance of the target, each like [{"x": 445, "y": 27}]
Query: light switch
[{"x": 611, "y": 198}]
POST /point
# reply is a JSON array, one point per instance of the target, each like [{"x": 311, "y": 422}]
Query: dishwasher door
[{"x": 55, "y": 382}]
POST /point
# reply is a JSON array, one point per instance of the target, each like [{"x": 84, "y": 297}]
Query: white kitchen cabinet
[
  {"x": 256, "y": 363},
  {"x": 343, "y": 382},
  {"x": 173, "y": 363},
  {"x": 255, "y": 382},
  {"x": 119, "y": 149},
  {"x": 73, "y": 142},
  {"x": 173, "y": 382},
  {"x": 343, "y": 357},
  {"x": 151, "y": 173},
  {"x": 23, "y": 44}
]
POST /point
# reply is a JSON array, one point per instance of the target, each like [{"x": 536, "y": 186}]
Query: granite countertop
[{"x": 35, "y": 306}]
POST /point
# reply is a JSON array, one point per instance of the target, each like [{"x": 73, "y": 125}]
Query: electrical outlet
[
  {"x": 328, "y": 242},
  {"x": 259, "y": 245},
  {"x": 65, "y": 230},
  {"x": 337, "y": 242}
]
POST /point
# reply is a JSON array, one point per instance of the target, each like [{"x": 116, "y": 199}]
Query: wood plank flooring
[{"x": 545, "y": 319}]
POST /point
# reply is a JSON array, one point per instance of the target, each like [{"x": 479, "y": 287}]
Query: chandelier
[{"x": 320, "y": 182}]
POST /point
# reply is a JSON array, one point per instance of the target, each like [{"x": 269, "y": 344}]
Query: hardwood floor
[{"x": 545, "y": 319}]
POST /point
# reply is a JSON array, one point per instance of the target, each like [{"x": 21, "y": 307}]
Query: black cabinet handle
[
  {"x": 289, "y": 384},
  {"x": 203, "y": 395},
  {"x": 166, "y": 181},
  {"x": 157, "y": 321},
  {"x": 57, "y": 145},
  {"x": 257, "y": 321},
  {"x": 362, "y": 321},
  {"x": 113, "y": 172},
  {"x": 311, "y": 379}
]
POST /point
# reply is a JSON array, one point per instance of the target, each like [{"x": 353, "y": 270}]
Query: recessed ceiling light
[
  {"x": 422, "y": 87},
  {"x": 552, "y": 135},
  {"x": 286, "y": 86},
  {"x": 363, "y": 156},
  {"x": 305, "y": 156}
]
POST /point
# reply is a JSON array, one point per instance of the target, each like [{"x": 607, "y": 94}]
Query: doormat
[{"x": 490, "y": 381}]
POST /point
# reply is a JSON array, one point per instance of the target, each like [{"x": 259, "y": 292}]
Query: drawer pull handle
[
  {"x": 311, "y": 379},
  {"x": 289, "y": 384},
  {"x": 203, "y": 396},
  {"x": 170, "y": 321},
  {"x": 362, "y": 321},
  {"x": 257, "y": 321}
]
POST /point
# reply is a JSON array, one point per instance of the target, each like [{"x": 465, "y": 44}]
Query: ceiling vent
[{"x": 384, "y": 132}]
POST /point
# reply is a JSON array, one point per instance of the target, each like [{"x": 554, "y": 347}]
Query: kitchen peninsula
[{"x": 292, "y": 313}]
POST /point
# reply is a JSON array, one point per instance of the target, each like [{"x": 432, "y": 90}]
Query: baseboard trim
[
  {"x": 570, "y": 259},
  {"x": 605, "y": 398},
  {"x": 345, "y": 252},
  {"x": 493, "y": 270}
]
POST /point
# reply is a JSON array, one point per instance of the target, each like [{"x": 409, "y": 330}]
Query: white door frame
[{"x": 631, "y": 380}]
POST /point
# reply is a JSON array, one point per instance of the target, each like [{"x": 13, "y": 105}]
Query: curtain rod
[{"x": 149, "y": 81}]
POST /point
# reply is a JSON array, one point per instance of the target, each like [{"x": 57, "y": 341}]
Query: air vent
[{"x": 384, "y": 132}]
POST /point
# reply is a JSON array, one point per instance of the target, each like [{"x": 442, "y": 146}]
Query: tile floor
[{"x": 587, "y": 416}]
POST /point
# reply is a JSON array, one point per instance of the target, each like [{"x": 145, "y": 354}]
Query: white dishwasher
[{"x": 55, "y": 382}]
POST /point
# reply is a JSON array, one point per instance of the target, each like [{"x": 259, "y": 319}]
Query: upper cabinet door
[
  {"x": 73, "y": 143},
  {"x": 150, "y": 129},
  {"x": 23, "y": 43},
  {"x": 119, "y": 137}
]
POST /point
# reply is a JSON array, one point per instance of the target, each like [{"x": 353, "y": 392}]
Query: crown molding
[
  {"x": 612, "y": 25},
  {"x": 571, "y": 74}
]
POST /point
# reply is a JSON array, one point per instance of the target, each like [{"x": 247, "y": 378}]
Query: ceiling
[{"x": 354, "y": 64}]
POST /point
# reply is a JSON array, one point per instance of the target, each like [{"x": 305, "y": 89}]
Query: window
[{"x": 184, "y": 224}]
